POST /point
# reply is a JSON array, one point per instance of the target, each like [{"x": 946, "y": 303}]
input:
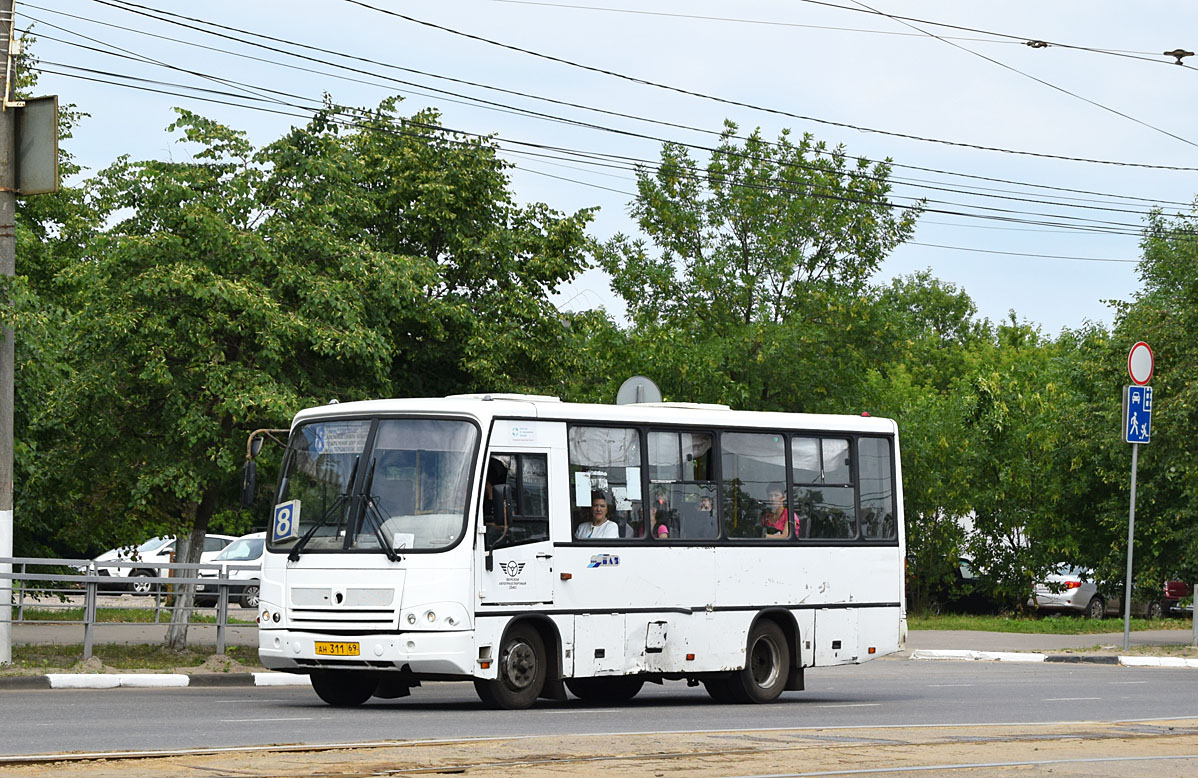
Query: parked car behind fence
[
  {"x": 149, "y": 557},
  {"x": 241, "y": 562}
]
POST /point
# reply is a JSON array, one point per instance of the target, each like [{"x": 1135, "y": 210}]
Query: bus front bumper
[{"x": 432, "y": 653}]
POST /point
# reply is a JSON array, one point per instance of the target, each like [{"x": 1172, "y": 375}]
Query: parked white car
[
  {"x": 241, "y": 562},
  {"x": 148, "y": 558}
]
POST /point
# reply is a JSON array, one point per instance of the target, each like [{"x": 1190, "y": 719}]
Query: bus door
[{"x": 516, "y": 556}]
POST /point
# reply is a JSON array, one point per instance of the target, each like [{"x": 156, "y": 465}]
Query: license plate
[{"x": 336, "y": 649}]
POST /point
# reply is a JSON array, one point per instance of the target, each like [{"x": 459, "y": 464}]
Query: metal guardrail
[{"x": 54, "y": 590}]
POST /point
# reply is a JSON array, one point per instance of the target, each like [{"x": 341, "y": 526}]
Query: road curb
[
  {"x": 1023, "y": 656},
  {"x": 148, "y": 680}
]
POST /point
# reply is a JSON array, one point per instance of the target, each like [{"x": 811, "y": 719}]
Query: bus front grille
[{"x": 342, "y": 618}]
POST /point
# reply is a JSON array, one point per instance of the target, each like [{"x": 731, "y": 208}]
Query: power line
[
  {"x": 511, "y": 109},
  {"x": 751, "y": 106},
  {"x": 994, "y": 37},
  {"x": 445, "y": 130},
  {"x": 734, "y": 20},
  {"x": 1021, "y": 38},
  {"x": 145, "y": 11},
  {"x": 997, "y": 214},
  {"x": 1084, "y": 222},
  {"x": 1037, "y": 79},
  {"x": 1022, "y": 254}
]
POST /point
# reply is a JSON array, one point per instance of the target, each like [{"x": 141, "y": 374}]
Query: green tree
[
  {"x": 1165, "y": 315},
  {"x": 231, "y": 290},
  {"x": 761, "y": 270}
]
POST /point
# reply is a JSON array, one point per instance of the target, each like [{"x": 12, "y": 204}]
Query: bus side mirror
[{"x": 249, "y": 477}]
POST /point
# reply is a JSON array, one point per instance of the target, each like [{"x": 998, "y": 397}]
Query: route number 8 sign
[{"x": 286, "y": 521}]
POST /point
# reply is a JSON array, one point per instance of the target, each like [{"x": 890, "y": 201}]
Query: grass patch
[
  {"x": 1044, "y": 625},
  {"x": 119, "y": 616},
  {"x": 46, "y": 658}
]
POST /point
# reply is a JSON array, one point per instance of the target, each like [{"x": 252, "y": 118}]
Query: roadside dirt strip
[{"x": 1122, "y": 749}]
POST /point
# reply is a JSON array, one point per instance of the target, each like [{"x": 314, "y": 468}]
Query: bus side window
[
  {"x": 683, "y": 499},
  {"x": 875, "y": 467},
  {"x": 754, "y": 465},
  {"x": 824, "y": 494},
  {"x": 606, "y": 460}
]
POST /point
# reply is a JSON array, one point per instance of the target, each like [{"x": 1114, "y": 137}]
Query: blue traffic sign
[{"x": 1137, "y": 414}]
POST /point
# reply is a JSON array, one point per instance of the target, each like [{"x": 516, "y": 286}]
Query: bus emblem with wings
[{"x": 512, "y": 568}]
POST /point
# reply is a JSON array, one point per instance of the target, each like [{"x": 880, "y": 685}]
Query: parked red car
[{"x": 1175, "y": 591}]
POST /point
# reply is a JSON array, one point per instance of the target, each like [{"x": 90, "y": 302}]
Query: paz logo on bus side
[
  {"x": 604, "y": 560},
  {"x": 512, "y": 568}
]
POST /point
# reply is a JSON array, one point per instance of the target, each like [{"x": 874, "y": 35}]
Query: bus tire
[
  {"x": 767, "y": 664},
  {"x": 521, "y": 671},
  {"x": 719, "y": 689},
  {"x": 342, "y": 689},
  {"x": 607, "y": 689}
]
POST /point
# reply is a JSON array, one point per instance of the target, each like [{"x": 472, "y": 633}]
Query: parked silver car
[{"x": 1073, "y": 590}]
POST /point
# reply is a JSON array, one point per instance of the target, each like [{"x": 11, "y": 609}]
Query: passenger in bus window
[
  {"x": 776, "y": 518},
  {"x": 659, "y": 514},
  {"x": 598, "y": 526}
]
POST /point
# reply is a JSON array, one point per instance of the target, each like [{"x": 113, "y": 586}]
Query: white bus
[{"x": 536, "y": 546}]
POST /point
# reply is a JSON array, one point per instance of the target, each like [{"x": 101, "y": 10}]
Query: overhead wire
[
  {"x": 955, "y": 204},
  {"x": 993, "y": 37},
  {"x": 1000, "y": 214},
  {"x": 850, "y": 173},
  {"x": 457, "y": 97},
  {"x": 639, "y": 162},
  {"x": 752, "y": 106},
  {"x": 732, "y": 19},
  {"x": 150, "y": 13},
  {"x": 359, "y": 126},
  {"x": 1037, "y": 79}
]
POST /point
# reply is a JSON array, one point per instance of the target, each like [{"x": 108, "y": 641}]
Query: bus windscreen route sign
[
  {"x": 1140, "y": 364},
  {"x": 286, "y": 521}
]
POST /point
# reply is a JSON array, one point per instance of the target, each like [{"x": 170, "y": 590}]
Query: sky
[{"x": 1085, "y": 131}]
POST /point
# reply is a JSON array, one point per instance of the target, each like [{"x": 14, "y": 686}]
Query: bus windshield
[{"x": 407, "y": 492}]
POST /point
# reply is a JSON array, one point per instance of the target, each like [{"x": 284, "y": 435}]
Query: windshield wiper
[
  {"x": 299, "y": 546},
  {"x": 376, "y": 516}
]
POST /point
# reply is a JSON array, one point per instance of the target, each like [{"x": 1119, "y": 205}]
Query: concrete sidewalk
[{"x": 1105, "y": 642}]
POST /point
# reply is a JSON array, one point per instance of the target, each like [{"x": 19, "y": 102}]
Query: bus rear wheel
[
  {"x": 611, "y": 689},
  {"x": 342, "y": 689},
  {"x": 521, "y": 671},
  {"x": 767, "y": 663}
]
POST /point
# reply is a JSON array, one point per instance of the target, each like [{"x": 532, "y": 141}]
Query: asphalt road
[{"x": 884, "y": 693}]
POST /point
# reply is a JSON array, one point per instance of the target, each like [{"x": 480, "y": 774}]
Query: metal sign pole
[{"x": 1131, "y": 534}]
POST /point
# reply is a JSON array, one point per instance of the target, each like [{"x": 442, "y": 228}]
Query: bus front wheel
[
  {"x": 342, "y": 689},
  {"x": 767, "y": 663},
  {"x": 521, "y": 671}
]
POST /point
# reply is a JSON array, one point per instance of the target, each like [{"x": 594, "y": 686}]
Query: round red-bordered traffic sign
[{"x": 1140, "y": 363}]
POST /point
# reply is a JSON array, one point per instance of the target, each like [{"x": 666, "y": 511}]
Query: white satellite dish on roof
[{"x": 638, "y": 389}]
